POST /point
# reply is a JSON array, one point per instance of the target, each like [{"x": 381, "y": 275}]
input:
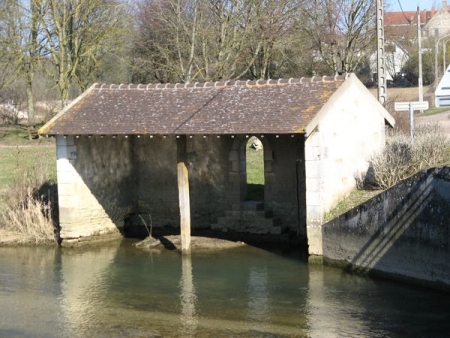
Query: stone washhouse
[{"x": 174, "y": 155}]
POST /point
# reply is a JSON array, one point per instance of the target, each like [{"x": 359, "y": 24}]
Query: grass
[
  {"x": 355, "y": 198},
  {"x": 14, "y": 160},
  {"x": 433, "y": 111},
  {"x": 26, "y": 167},
  {"x": 399, "y": 94},
  {"x": 17, "y": 135}
]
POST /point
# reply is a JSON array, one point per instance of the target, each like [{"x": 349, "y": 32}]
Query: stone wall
[
  {"x": 285, "y": 182},
  {"x": 95, "y": 185},
  {"x": 217, "y": 178},
  {"x": 155, "y": 161},
  {"x": 440, "y": 23},
  {"x": 105, "y": 181},
  {"x": 403, "y": 232},
  {"x": 351, "y": 129}
]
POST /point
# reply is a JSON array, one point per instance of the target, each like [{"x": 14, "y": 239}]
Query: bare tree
[
  {"x": 22, "y": 44},
  {"x": 78, "y": 33},
  {"x": 341, "y": 30},
  {"x": 187, "y": 40}
]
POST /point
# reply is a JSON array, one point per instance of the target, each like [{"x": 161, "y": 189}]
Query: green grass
[
  {"x": 18, "y": 159},
  {"x": 433, "y": 111},
  {"x": 255, "y": 173},
  {"x": 355, "y": 198},
  {"x": 21, "y": 158}
]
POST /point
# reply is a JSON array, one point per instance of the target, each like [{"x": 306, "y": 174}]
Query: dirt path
[{"x": 443, "y": 119}]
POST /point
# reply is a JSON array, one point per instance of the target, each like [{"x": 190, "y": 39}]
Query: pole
[
  {"x": 183, "y": 194},
  {"x": 411, "y": 118},
  {"x": 436, "y": 46},
  {"x": 381, "y": 65},
  {"x": 436, "y": 52},
  {"x": 419, "y": 43},
  {"x": 444, "y": 64}
]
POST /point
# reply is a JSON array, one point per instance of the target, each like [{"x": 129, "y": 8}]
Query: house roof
[
  {"x": 407, "y": 18},
  {"x": 232, "y": 107}
]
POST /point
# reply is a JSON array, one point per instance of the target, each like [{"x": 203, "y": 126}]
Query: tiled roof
[
  {"x": 405, "y": 18},
  {"x": 240, "y": 107}
]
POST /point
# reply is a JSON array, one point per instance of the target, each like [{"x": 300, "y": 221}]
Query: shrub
[
  {"x": 32, "y": 218},
  {"x": 399, "y": 159},
  {"x": 28, "y": 207}
]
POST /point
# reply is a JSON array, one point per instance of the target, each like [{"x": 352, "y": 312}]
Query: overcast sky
[{"x": 411, "y": 5}]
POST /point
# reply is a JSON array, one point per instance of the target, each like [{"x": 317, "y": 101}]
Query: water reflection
[
  {"x": 118, "y": 291},
  {"x": 188, "y": 298},
  {"x": 28, "y": 296},
  {"x": 258, "y": 296},
  {"x": 83, "y": 285}
]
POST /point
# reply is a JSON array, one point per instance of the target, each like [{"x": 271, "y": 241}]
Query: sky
[{"x": 411, "y": 5}]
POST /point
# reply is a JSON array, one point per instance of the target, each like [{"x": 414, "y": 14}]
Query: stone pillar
[
  {"x": 66, "y": 152},
  {"x": 81, "y": 213},
  {"x": 314, "y": 182}
]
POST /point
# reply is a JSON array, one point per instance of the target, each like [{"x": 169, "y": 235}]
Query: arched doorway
[{"x": 254, "y": 158}]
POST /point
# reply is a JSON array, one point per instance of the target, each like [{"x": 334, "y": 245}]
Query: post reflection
[
  {"x": 188, "y": 299},
  {"x": 258, "y": 292}
]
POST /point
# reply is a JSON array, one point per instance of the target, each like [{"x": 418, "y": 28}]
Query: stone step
[
  {"x": 276, "y": 230},
  {"x": 246, "y": 214},
  {"x": 249, "y": 217},
  {"x": 248, "y": 206},
  {"x": 238, "y": 222}
]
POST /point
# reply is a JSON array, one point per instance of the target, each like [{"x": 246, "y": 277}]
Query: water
[{"x": 118, "y": 291}]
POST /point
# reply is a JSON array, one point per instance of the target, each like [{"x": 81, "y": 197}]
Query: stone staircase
[{"x": 249, "y": 217}]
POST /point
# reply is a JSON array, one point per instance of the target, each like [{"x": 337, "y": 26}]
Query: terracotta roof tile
[
  {"x": 407, "y": 18},
  {"x": 233, "y": 107}
]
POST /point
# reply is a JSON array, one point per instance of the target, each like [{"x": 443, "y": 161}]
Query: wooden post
[{"x": 183, "y": 195}]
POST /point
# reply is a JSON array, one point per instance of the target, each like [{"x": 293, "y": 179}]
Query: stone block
[
  {"x": 313, "y": 184},
  {"x": 65, "y": 189},
  {"x": 314, "y": 214},
  {"x": 216, "y": 227},
  {"x": 278, "y": 230},
  {"x": 232, "y": 213},
  {"x": 234, "y": 155},
  {"x": 314, "y": 234},
  {"x": 312, "y": 153},
  {"x": 235, "y": 166},
  {"x": 313, "y": 169},
  {"x": 62, "y": 152},
  {"x": 65, "y": 140},
  {"x": 67, "y": 202},
  {"x": 313, "y": 198}
]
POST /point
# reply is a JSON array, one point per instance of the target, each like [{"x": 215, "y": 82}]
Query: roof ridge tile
[{"x": 222, "y": 84}]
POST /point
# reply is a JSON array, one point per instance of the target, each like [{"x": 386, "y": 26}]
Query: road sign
[
  {"x": 411, "y": 106},
  {"x": 415, "y": 105}
]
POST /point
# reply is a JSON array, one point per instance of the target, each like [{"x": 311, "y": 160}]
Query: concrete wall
[{"x": 403, "y": 232}]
